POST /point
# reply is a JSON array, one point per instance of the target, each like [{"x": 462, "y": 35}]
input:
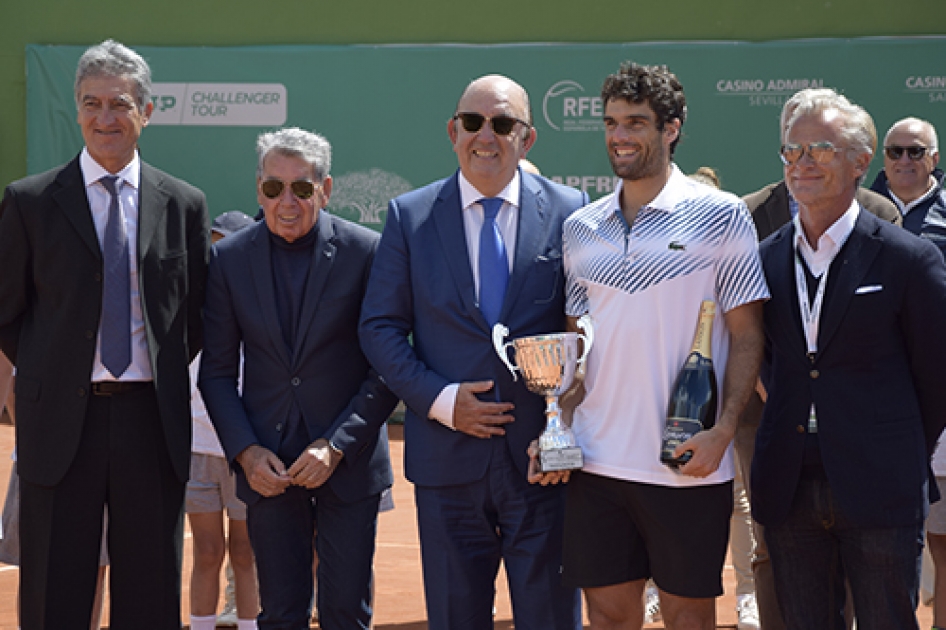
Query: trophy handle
[
  {"x": 587, "y": 339},
  {"x": 500, "y": 332}
]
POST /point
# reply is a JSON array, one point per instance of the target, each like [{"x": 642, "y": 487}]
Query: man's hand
[
  {"x": 477, "y": 418},
  {"x": 316, "y": 464},
  {"x": 708, "y": 449},
  {"x": 535, "y": 475},
  {"x": 264, "y": 471}
]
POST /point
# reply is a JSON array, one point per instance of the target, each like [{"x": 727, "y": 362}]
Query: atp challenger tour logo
[
  {"x": 567, "y": 107},
  {"x": 933, "y": 87},
  {"x": 366, "y": 193},
  {"x": 222, "y": 104},
  {"x": 765, "y": 92}
]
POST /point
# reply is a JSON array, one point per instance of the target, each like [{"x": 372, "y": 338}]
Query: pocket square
[{"x": 868, "y": 288}]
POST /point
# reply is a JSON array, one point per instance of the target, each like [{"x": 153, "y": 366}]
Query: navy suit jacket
[
  {"x": 326, "y": 374},
  {"x": 51, "y": 302},
  {"x": 422, "y": 289},
  {"x": 875, "y": 381}
]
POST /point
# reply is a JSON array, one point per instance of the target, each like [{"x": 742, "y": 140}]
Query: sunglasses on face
[
  {"x": 820, "y": 152},
  {"x": 914, "y": 153},
  {"x": 502, "y": 125},
  {"x": 301, "y": 188}
]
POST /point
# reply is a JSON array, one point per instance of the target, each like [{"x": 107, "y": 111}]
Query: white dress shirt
[
  {"x": 507, "y": 219},
  {"x": 129, "y": 180}
]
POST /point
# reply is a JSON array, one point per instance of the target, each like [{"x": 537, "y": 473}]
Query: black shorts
[{"x": 620, "y": 531}]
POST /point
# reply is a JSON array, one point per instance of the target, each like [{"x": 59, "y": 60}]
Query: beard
[{"x": 651, "y": 160}]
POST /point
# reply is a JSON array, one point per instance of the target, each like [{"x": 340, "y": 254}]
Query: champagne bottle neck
[{"x": 703, "y": 340}]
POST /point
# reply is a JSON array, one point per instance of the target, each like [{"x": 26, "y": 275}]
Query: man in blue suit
[
  {"x": 840, "y": 476},
  {"x": 304, "y": 434},
  {"x": 457, "y": 256}
]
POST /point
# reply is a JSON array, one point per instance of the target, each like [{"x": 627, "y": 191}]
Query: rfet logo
[{"x": 567, "y": 107}]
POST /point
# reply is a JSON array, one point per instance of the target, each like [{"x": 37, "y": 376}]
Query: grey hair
[
  {"x": 112, "y": 59},
  {"x": 857, "y": 128},
  {"x": 295, "y": 142},
  {"x": 927, "y": 126}
]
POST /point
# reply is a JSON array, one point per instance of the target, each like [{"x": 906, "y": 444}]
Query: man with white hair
[
  {"x": 840, "y": 476},
  {"x": 910, "y": 178},
  {"x": 304, "y": 434}
]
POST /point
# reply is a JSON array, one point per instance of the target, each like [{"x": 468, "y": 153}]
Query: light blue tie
[
  {"x": 116, "y": 293},
  {"x": 494, "y": 267}
]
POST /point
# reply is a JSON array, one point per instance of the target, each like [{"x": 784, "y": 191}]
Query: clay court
[{"x": 399, "y": 603}]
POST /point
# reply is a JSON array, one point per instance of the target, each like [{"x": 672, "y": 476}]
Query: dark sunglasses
[
  {"x": 820, "y": 152},
  {"x": 301, "y": 188},
  {"x": 914, "y": 153},
  {"x": 502, "y": 125}
]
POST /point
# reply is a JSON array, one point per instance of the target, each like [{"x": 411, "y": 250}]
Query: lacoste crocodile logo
[{"x": 677, "y": 245}]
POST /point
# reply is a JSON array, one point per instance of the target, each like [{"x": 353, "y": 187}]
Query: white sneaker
[
  {"x": 748, "y": 611},
  {"x": 651, "y": 605},
  {"x": 228, "y": 616}
]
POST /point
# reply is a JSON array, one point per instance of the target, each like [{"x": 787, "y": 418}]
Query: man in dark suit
[
  {"x": 305, "y": 432},
  {"x": 104, "y": 262},
  {"x": 456, "y": 257},
  {"x": 771, "y": 208},
  {"x": 840, "y": 475}
]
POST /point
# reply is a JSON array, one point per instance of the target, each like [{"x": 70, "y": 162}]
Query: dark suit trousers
[
  {"x": 281, "y": 531},
  {"x": 122, "y": 466},
  {"x": 465, "y": 531}
]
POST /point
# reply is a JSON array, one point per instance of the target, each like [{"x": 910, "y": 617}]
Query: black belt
[{"x": 116, "y": 388}]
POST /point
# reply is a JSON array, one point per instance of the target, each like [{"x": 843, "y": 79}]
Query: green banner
[{"x": 385, "y": 108}]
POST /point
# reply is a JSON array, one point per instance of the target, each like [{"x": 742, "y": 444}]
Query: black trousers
[{"x": 121, "y": 467}]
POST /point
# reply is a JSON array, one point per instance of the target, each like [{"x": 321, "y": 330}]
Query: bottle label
[{"x": 679, "y": 430}]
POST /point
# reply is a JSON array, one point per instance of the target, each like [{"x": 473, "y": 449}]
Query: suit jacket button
[
  {"x": 295, "y": 381},
  {"x": 800, "y": 428},
  {"x": 279, "y": 426},
  {"x": 98, "y": 276},
  {"x": 814, "y": 374},
  {"x": 80, "y": 393},
  {"x": 89, "y": 334}
]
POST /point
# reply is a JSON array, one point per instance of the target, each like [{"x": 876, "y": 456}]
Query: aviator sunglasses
[
  {"x": 301, "y": 188},
  {"x": 914, "y": 153},
  {"x": 820, "y": 152},
  {"x": 502, "y": 125}
]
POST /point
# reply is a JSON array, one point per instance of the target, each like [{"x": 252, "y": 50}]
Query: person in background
[{"x": 210, "y": 489}]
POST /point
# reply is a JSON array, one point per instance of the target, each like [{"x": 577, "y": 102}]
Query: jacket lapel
[
  {"x": 448, "y": 220},
  {"x": 780, "y": 274},
  {"x": 856, "y": 258},
  {"x": 530, "y": 237},
  {"x": 261, "y": 272},
  {"x": 152, "y": 201},
  {"x": 74, "y": 202},
  {"x": 323, "y": 259}
]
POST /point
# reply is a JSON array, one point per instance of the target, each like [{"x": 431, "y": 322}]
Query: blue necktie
[
  {"x": 116, "y": 293},
  {"x": 494, "y": 267}
]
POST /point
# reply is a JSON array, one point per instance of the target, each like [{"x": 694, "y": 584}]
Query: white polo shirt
[{"x": 643, "y": 288}]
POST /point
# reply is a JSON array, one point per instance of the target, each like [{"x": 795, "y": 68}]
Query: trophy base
[{"x": 555, "y": 459}]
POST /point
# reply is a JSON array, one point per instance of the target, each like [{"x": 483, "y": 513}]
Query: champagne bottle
[{"x": 693, "y": 399}]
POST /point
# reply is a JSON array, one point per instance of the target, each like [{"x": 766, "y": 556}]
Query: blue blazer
[
  {"x": 421, "y": 327},
  {"x": 326, "y": 374},
  {"x": 876, "y": 380}
]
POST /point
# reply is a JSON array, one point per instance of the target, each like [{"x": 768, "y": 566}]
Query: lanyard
[{"x": 810, "y": 310}]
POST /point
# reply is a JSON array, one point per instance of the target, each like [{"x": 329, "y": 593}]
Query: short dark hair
[{"x": 654, "y": 85}]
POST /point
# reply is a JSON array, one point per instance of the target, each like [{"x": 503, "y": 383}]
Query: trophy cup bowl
[{"x": 548, "y": 364}]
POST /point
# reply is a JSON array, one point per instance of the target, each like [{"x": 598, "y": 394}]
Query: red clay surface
[{"x": 399, "y": 603}]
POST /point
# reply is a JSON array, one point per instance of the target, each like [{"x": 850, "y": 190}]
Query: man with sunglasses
[
  {"x": 853, "y": 374},
  {"x": 772, "y": 207},
  {"x": 910, "y": 178},
  {"x": 456, "y": 257},
  {"x": 304, "y": 432}
]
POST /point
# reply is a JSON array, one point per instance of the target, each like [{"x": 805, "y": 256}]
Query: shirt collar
[
  {"x": 92, "y": 171},
  {"x": 470, "y": 195},
  {"x": 906, "y": 207},
  {"x": 829, "y": 243}
]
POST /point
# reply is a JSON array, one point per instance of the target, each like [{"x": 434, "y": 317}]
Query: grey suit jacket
[{"x": 51, "y": 300}]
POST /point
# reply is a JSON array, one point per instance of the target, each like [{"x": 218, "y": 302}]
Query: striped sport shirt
[{"x": 643, "y": 286}]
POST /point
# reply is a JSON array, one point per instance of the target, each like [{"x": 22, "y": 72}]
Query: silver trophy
[{"x": 548, "y": 364}]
